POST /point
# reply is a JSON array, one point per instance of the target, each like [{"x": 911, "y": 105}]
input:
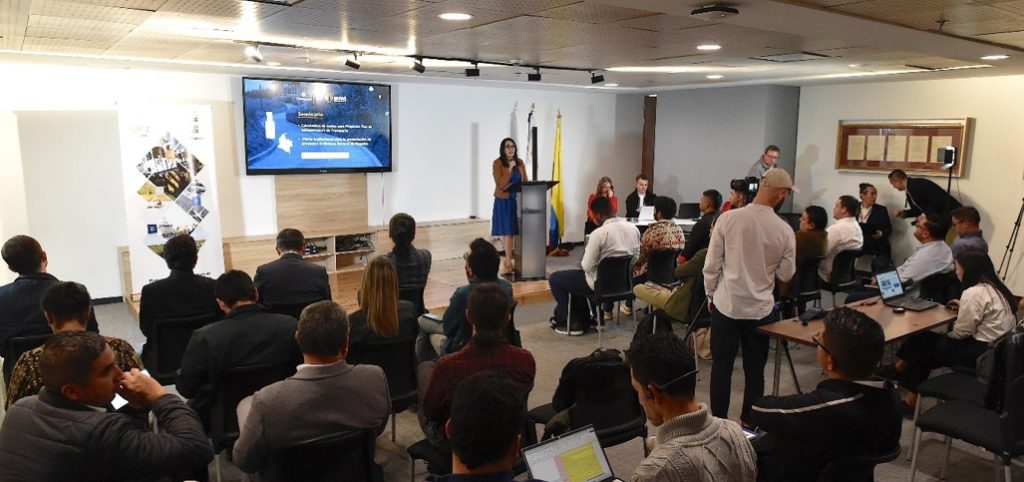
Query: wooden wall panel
[
  {"x": 323, "y": 202},
  {"x": 248, "y": 255},
  {"x": 444, "y": 239}
]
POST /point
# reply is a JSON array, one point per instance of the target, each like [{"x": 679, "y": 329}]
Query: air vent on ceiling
[
  {"x": 792, "y": 57},
  {"x": 714, "y": 12}
]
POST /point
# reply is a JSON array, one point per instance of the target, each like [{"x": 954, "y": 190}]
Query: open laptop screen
[
  {"x": 646, "y": 213},
  {"x": 889, "y": 284},
  {"x": 576, "y": 456}
]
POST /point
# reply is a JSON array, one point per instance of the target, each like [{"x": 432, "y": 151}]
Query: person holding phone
[{"x": 507, "y": 169}]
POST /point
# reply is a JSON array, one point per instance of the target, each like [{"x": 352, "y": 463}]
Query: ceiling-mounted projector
[{"x": 714, "y": 12}]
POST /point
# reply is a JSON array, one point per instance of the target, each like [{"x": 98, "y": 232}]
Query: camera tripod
[{"x": 1010, "y": 244}]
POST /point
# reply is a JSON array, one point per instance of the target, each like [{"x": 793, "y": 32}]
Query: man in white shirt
[
  {"x": 614, "y": 237},
  {"x": 761, "y": 247},
  {"x": 845, "y": 234},
  {"x": 931, "y": 257}
]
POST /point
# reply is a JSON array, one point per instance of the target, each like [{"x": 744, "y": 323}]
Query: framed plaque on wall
[{"x": 909, "y": 145}]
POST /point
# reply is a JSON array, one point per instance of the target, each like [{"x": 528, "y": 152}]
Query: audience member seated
[
  {"x": 614, "y": 237},
  {"x": 248, "y": 335},
  {"x": 68, "y": 433},
  {"x": 325, "y": 397},
  {"x": 676, "y": 301},
  {"x": 874, "y": 222},
  {"x": 847, "y": 415},
  {"x": 691, "y": 444},
  {"x": 574, "y": 376},
  {"x": 486, "y": 430},
  {"x": 412, "y": 265},
  {"x": 843, "y": 235},
  {"x": 968, "y": 233},
  {"x": 381, "y": 314},
  {"x": 933, "y": 256},
  {"x": 454, "y": 330},
  {"x": 663, "y": 234},
  {"x": 737, "y": 199},
  {"x": 641, "y": 196},
  {"x": 811, "y": 243},
  {"x": 291, "y": 279},
  {"x": 923, "y": 196},
  {"x": 182, "y": 294},
  {"x": 700, "y": 234},
  {"x": 67, "y": 306},
  {"x": 604, "y": 190},
  {"x": 487, "y": 351},
  {"x": 19, "y": 300},
  {"x": 985, "y": 311}
]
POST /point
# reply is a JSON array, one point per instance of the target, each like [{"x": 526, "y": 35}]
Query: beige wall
[
  {"x": 994, "y": 181},
  {"x": 13, "y": 212}
]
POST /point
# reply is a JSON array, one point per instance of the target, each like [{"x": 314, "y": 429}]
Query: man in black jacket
[
  {"x": 923, "y": 196},
  {"x": 67, "y": 433},
  {"x": 291, "y": 279},
  {"x": 847, "y": 415},
  {"x": 20, "y": 314},
  {"x": 179, "y": 295},
  {"x": 248, "y": 335},
  {"x": 700, "y": 234},
  {"x": 641, "y": 196}
]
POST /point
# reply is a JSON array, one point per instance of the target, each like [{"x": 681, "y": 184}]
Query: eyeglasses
[{"x": 817, "y": 342}]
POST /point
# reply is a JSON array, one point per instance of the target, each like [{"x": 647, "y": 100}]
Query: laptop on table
[
  {"x": 646, "y": 213},
  {"x": 891, "y": 289},
  {"x": 575, "y": 456}
]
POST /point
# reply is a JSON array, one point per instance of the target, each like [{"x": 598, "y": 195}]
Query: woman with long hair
[
  {"x": 985, "y": 311},
  {"x": 507, "y": 169},
  {"x": 874, "y": 222},
  {"x": 604, "y": 189},
  {"x": 380, "y": 313},
  {"x": 412, "y": 265}
]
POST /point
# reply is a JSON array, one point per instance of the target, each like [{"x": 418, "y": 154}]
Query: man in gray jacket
[
  {"x": 69, "y": 432},
  {"x": 692, "y": 444},
  {"x": 326, "y": 395}
]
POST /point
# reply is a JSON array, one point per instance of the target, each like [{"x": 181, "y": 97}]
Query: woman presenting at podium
[{"x": 508, "y": 169}]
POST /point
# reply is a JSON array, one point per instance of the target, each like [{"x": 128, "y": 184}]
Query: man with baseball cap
[{"x": 761, "y": 248}]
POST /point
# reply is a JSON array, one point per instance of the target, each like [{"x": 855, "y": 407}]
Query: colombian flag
[{"x": 557, "y": 224}]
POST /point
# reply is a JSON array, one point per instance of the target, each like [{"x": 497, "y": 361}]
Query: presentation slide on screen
[
  {"x": 574, "y": 458},
  {"x": 292, "y": 125}
]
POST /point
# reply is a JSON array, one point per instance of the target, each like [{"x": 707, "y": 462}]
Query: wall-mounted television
[{"x": 315, "y": 126}]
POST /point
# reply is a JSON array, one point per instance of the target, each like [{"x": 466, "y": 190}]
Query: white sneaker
[
  {"x": 625, "y": 310},
  {"x": 608, "y": 316}
]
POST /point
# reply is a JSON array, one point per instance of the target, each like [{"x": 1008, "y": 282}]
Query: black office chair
[
  {"x": 236, "y": 384},
  {"x": 959, "y": 386},
  {"x": 843, "y": 278},
  {"x": 941, "y": 287},
  {"x": 661, "y": 264},
  {"x": 614, "y": 284},
  {"x": 347, "y": 456},
  {"x": 18, "y": 345},
  {"x": 397, "y": 357},
  {"x": 856, "y": 469},
  {"x": 414, "y": 296},
  {"x": 167, "y": 345},
  {"x": 806, "y": 285},
  {"x": 292, "y": 309}
]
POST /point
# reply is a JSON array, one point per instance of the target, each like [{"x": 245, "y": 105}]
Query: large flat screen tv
[{"x": 316, "y": 126}]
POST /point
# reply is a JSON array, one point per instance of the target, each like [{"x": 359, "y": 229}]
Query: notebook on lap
[
  {"x": 575, "y": 456},
  {"x": 891, "y": 289}
]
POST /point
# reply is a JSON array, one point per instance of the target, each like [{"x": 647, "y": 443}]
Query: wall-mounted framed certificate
[{"x": 911, "y": 145}]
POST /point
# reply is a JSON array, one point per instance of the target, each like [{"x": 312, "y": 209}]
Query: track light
[
  {"x": 417, "y": 65},
  {"x": 353, "y": 63},
  {"x": 534, "y": 77},
  {"x": 595, "y": 78},
  {"x": 474, "y": 72},
  {"x": 253, "y": 52}
]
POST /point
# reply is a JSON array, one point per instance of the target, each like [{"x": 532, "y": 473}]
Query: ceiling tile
[{"x": 589, "y": 12}]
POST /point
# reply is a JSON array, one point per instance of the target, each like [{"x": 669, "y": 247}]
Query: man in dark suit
[
  {"x": 248, "y": 335},
  {"x": 179, "y": 295},
  {"x": 20, "y": 314},
  {"x": 923, "y": 196},
  {"x": 641, "y": 196},
  {"x": 290, "y": 279},
  {"x": 326, "y": 396},
  {"x": 700, "y": 234}
]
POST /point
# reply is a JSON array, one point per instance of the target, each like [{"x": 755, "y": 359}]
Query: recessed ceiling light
[
  {"x": 708, "y": 47},
  {"x": 853, "y": 66},
  {"x": 652, "y": 95},
  {"x": 455, "y": 16},
  {"x": 715, "y": 76},
  {"x": 273, "y": 64},
  {"x": 995, "y": 57},
  {"x": 611, "y": 85}
]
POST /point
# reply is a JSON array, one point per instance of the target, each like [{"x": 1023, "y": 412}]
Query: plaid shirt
[
  {"x": 660, "y": 235},
  {"x": 26, "y": 381},
  {"x": 413, "y": 269}
]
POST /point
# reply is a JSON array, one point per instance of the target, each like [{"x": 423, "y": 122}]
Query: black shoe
[{"x": 905, "y": 409}]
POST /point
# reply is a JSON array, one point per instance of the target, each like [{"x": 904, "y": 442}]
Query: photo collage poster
[{"x": 170, "y": 187}]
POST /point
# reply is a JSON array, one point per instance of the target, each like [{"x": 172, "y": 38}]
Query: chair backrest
[
  {"x": 235, "y": 384},
  {"x": 661, "y": 264},
  {"x": 346, "y": 456},
  {"x": 170, "y": 338},
  {"x": 18, "y": 345},
  {"x": 1012, "y": 418},
  {"x": 843, "y": 275},
  {"x": 614, "y": 278},
  {"x": 414, "y": 296},
  {"x": 807, "y": 280},
  {"x": 856, "y": 469},
  {"x": 941, "y": 287},
  {"x": 397, "y": 357},
  {"x": 688, "y": 211},
  {"x": 292, "y": 309},
  {"x": 606, "y": 397}
]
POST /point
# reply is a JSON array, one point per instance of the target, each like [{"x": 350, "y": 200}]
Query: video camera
[{"x": 748, "y": 186}]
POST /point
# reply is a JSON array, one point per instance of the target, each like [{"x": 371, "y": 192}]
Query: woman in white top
[{"x": 985, "y": 311}]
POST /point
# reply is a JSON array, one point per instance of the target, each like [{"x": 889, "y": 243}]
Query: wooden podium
[{"x": 531, "y": 257}]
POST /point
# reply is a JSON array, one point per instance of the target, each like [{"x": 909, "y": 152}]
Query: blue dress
[{"x": 503, "y": 219}]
